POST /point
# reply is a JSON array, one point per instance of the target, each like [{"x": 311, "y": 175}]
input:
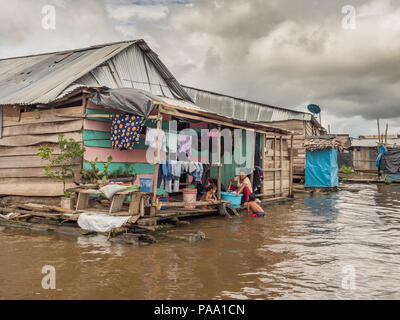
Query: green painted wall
[
  {"x": 141, "y": 168},
  {"x": 228, "y": 171}
]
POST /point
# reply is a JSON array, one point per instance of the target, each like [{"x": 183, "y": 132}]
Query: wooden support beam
[
  {"x": 171, "y": 111},
  {"x": 291, "y": 168},
  {"x": 263, "y": 138},
  {"x": 253, "y": 158},
  {"x": 281, "y": 164},
  {"x": 274, "y": 164},
  {"x": 192, "y": 204},
  {"x": 219, "y": 165},
  {"x": 156, "y": 164}
]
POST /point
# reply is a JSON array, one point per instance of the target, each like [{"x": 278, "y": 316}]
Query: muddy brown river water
[{"x": 344, "y": 245}]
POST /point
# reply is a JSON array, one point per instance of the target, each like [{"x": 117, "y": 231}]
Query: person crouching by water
[
  {"x": 243, "y": 186},
  {"x": 209, "y": 195},
  {"x": 254, "y": 209}
]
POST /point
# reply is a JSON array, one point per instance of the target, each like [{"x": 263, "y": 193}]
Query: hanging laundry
[
  {"x": 176, "y": 171},
  {"x": 185, "y": 144},
  {"x": 172, "y": 141},
  {"x": 196, "y": 170},
  {"x": 125, "y": 131},
  {"x": 151, "y": 138},
  {"x": 167, "y": 173}
]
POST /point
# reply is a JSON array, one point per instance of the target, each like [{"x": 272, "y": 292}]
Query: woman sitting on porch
[{"x": 243, "y": 186}]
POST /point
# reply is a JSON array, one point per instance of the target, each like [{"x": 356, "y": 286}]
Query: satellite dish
[{"x": 313, "y": 108}]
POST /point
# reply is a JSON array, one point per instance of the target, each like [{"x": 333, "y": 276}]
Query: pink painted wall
[{"x": 137, "y": 155}]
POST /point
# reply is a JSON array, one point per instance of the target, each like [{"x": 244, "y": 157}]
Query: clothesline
[{"x": 172, "y": 170}]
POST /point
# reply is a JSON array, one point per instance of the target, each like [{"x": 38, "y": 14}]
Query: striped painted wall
[{"x": 96, "y": 138}]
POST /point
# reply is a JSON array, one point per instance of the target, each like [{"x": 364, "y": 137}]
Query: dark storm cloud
[{"x": 281, "y": 52}]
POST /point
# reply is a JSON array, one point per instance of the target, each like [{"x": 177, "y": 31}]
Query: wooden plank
[
  {"x": 35, "y": 187},
  {"x": 134, "y": 204},
  {"x": 44, "y": 128},
  {"x": 117, "y": 202},
  {"x": 24, "y": 162},
  {"x": 189, "y": 116},
  {"x": 30, "y": 140},
  {"x": 25, "y": 151},
  {"x": 11, "y": 113},
  {"x": 193, "y": 204},
  {"x": 83, "y": 201},
  {"x": 43, "y": 116},
  {"x": 26, "y": 172}
]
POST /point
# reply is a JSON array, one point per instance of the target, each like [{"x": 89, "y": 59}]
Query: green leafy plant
[
  {"x": 94, "y": 174},
  {"x": 60, "y": 166},
  {"x": 345, "y": 169}
]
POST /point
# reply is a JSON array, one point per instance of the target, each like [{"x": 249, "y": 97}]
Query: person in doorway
[
  {"x": 243, "y": 186},
  {"x": 253, "y": 208},
  {"x": 210, "y": 195}
]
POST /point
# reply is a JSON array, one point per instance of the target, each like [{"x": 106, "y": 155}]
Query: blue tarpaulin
[{"x": 322, "y": 168}]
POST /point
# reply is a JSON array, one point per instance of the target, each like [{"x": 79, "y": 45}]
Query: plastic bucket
[
  {"x": 145, "y": 184},
  {"x": 233, "y": 199},
  {"x": 164, "y": 199},
  {"x": 189, "y": 195}
]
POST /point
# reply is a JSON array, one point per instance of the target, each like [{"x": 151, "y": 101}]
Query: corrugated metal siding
[{"x": 242, "y": 109}]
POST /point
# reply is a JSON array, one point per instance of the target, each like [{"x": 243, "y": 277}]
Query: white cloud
[{"x": 126, "y": 12}]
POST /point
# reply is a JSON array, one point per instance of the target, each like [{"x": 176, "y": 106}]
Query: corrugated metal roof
[
  {"x": 373, "y": 142},
  {"x": 47, "y": 77},
  {"x": 243, "y": 109},
  {"x": 191, "y": 106}
]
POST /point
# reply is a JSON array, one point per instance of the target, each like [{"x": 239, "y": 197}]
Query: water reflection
[{"x": 299, "y": 250}]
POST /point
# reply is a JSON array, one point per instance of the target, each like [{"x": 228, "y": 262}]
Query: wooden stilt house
[{"x": 47, "y": 95}]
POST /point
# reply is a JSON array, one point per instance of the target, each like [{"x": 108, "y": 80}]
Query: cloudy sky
[{"x": 280, "y": 52}]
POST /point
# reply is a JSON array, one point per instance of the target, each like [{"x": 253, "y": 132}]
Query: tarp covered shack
[{"x": 321, "y": 162}]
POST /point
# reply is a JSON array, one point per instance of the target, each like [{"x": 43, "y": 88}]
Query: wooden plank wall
[
  {"x": 272, "y": 163},
  {"x": 21, "y": 170},
  {"x": 299, "y": 152}
]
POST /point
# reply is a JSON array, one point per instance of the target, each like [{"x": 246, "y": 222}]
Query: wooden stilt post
[
  {"x": 156, "y": 166},
  {"x": 291, "y": 168},
  {"x": 263, "y": 140},
  {"x": 274, "y": 167},
  {"x": 281, "y": 165},
  {"x": 253, "y": 157},
  {"x": 219, "y": 164}
]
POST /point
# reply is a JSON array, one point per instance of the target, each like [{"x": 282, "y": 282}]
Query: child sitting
[
  {"x": 253, "y": 208},
  {"x": 209, "y": 195}
]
